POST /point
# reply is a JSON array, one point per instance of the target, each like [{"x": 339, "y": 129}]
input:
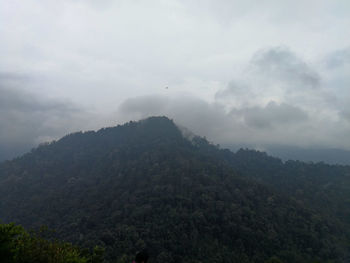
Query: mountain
[
  {"x": 288, "y": 152},
  {"x": 331, "y": 156},
  {"x": 144, "y": 184},
  {"x": 8, "y": 153}
]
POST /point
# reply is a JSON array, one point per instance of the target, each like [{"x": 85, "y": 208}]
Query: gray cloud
[
  {"x": 99, "y": 53},
  {"x": 278, "y": 74},
  {"x": 279, "y": 100},
  {"x": 338, "y": 58},
  {"x": 270, "y": 125},
  {"x": 335, "y": 69},
  {"x": 345, "y": 115},
  {"x": 271, "y": 114},
  {"x": 27, "y": 120},
  {"x": 281, "y": 64},
  {"x": 132, "y": 47},
  {"x": 144, "y": 106},
  {"x": 198, "y": 115},
  {"x": 10, "y": 76},
  {"x": 186, "y": 109},
  {"x": 234, "y": 89}
]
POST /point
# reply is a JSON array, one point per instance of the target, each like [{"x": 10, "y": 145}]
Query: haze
[{"x": 253, "y": 73}]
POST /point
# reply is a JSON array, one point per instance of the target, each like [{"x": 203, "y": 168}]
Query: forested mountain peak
[
  {"x": 144, "y": 184},
  {"x": 131, "y": 132}
]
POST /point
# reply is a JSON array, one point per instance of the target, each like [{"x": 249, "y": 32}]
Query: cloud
[
  {"x": 335, "y": 70},
  {"x": 199, "y": 116},
  {"x": 345, "y": 115},
  {"x": 271, "y": 114},
  {"x": 338, "y": 58},
  {"x": 186, "y": 109},
  {"x": 282, "y": 65},
  {"x": 278, "y": 74},
  {"x": 132, "y": 47},
  {"x": 100, "y": 53},
  {"x": 280, "y": 99},
  {"x": 272, "y": 124},
  {"x": 27, "y": 119},
  {"x": 233, "y": 90}
]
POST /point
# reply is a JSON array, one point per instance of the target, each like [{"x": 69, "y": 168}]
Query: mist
[{"x": 237, "y": 73}]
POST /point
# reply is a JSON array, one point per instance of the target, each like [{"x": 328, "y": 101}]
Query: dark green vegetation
[
  {"x": 19, "y": 246},
  {"x": 144, "y": 184}
]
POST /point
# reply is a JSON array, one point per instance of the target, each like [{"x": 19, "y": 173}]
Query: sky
[{"x": 238, "y": 72}]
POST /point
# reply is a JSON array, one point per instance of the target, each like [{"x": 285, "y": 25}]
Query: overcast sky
[{"x": 250, "y": 72}]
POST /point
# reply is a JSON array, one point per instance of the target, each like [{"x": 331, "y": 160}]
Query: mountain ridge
[{"x": 145, "y": 184}]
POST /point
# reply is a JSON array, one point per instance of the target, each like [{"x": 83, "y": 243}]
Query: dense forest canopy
[
  {"x": 144, "y": 184},
  {"x": 20, "y": 246}
]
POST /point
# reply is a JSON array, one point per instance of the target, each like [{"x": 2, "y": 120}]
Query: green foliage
[
  {"x": 144, "y": 185},
  {"x": 273, "y": 260},
  {"x": 9, "y": 234},
  {"x": 19, "y": 246}
]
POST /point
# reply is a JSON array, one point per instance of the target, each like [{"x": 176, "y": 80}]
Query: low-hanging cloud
[
  {"x": 272, "y": 114},
  {"x": 27, "y": 119},
  {"x": 279, "y": 100},
  {"x": 274, "y": 124}
]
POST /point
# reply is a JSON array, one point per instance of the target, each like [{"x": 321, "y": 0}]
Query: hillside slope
[{"x": 144, "y": 184}]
